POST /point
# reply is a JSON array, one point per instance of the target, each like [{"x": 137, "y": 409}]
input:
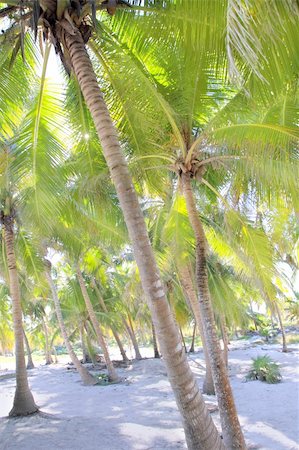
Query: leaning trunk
[
  {"x": 155, "y": 343},
  {"x": 30, "y": 364},
  {"x": 115, "y": 333},
  {"x": 23, "y": 400},
  {"x": 83, "y": 372},
  {"x": 101, "y": 341},
  {"x": 183, "y": 339},
  {"x": 192, "y": 349},
  {"x": 85, "y": 355},
  {"x": 232, "y": 433},
  {"x": 187, "y": 284},
  {"x": 225, "y": 339},
  {"x": 200, "y": 431},
  {"x": 48, "y": 356},
  {"x": 131, "y": 332}
]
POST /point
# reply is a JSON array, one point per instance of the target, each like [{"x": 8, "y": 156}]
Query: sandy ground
[{"x": 141, "y": 414}]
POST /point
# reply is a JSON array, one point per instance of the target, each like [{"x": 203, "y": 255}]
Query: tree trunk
[
  {"x": 200, "y": 431},
  {"x": 48, "y": 356},
  {"x": 101, "y": 341},
  {"x": 232, "y": 433},
  {"x": 55, "y": 355},
  {"x": 85, "y": 355},
  {"x": 30, "y": 364},
  {"x": 23, "y": 400},
  {"x": 155, "y": 343},
  {"x": 86, "y": 377},
  {"x": 89, "y": 339},
  {"x": 183, "y": 339},
  {"x": 284, "y": 338},
  {"x": 225, "y": 339},
  {"x": 131, "y": 332},
  {"x": 115, "y": 333},
  {"x": 187, "y": 284},
  {"x": 192, "y": 349}
]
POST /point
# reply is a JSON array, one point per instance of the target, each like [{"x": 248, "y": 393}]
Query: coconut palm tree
[{"x": 187, "y": 102}]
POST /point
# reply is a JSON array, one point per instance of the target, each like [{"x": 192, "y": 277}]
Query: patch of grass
[
  {"x": 264, "y": 369},
  {"x": 103, "y": 379}
]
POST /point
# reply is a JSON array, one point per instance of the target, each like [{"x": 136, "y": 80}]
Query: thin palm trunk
[
  {"x": 183, "y": 339},
  {"x": 30, "y": 364},
  {"x": 225, "y": 339},
  {"x": 85, "y": 354},
  {"x": 86, "y": 377},
  {"x": 200, "y": 430},
  {"x": 48, "y": 356},
  {"x": 155, "y": 343},
  {"x": 188, "y": 287},
  {"x": 192, "y": 346},
  {"x": 284, "y": 338},
  {"x": 232, "y": 433},
  {"x": 89, "y": 343},
  {"x": 131, "y": 332},
  {"x": 23, "y": 400},
  {"x": 115, "y": 333},
  {"x": 101, "y": 341}
]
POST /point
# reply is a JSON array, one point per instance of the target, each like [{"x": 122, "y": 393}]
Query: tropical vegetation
[{"x": 150, "y": 187}]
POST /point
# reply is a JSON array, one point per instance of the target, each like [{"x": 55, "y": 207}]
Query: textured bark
[
  {"x": 101, "y": 341},
  {"x": 115, "y": 333},
  {"x": 284, "y": 338},
  {"x": 30, "y": 364},
  {"x": 86, "y": 377},
  {"x": 131, "y": 332},
  {"x": 187, "y": 284},
  {"x": 200, "y": 430},
  {"x": 232, "y": 433},
  {"x": 155, "y": 343},
  {"x": 23, "y": 400},
  {"x": 48, "y": 356}
]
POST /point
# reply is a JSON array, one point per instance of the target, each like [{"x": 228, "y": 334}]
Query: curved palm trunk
[
  {"x": 155, "y": 343},
  {"x": 48, "y": 356},
  {"x": 101, "y": 341},
  {"x": 86, "y": 377},
  {"x": 131, "y": 333},
  {"x": 187, "y": 283},
  {"x": 30, "y": 364},
  {"x": 232, "y": 433},
  {"x": 23, "y": 400},
  {"x": 115, "y": 333},
  {"x": 200, "y": 431}
]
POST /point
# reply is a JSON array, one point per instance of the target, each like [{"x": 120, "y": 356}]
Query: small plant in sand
[{"x": 264, "y": 369}]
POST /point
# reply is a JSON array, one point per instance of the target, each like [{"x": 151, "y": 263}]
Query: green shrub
[{"x": 264, "y": 369}]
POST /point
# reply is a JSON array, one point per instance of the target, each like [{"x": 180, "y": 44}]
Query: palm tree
[
  {"x": 196, "y": 419},
  {"x": 67, "y": 27},
  {"x": 111, "y": 370},
  {"x": 84, "y": 374},
  {"x": 23, "y": 400}
]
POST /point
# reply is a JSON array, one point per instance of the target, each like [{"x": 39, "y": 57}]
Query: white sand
[{"x": 141, "y": 414}]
